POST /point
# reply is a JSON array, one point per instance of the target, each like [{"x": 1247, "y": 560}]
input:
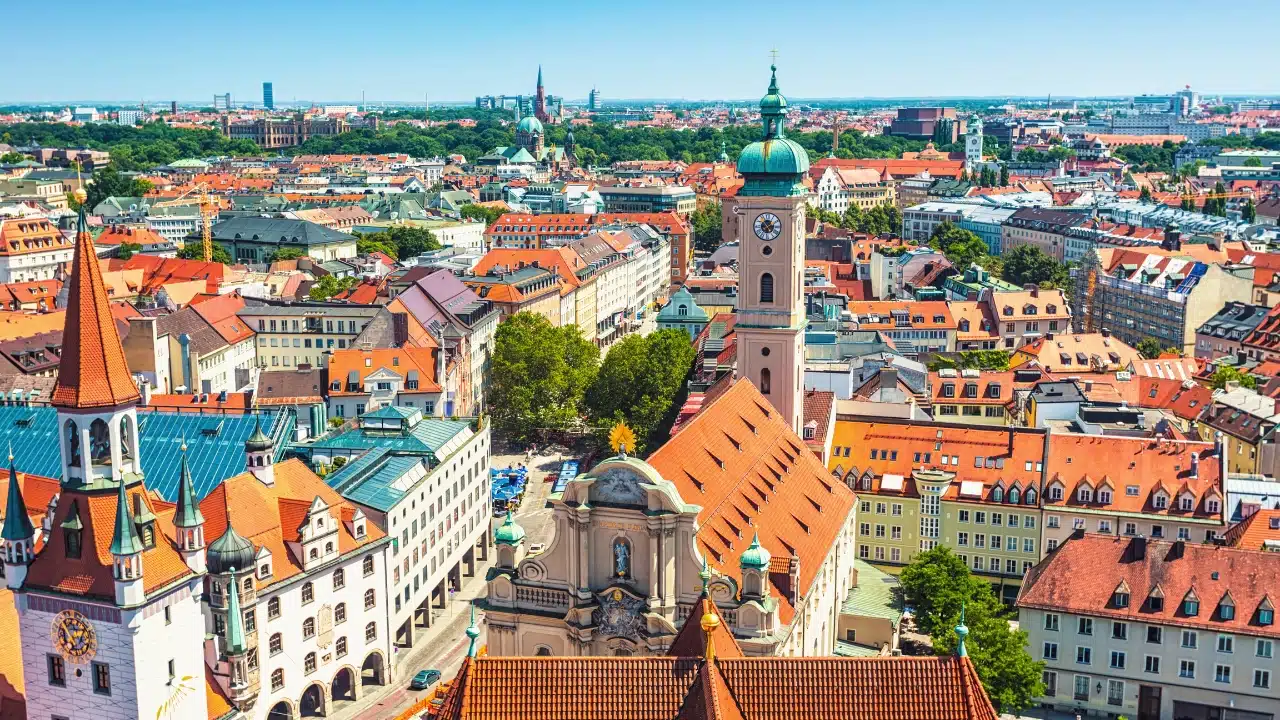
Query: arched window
[
  {"x": 682, "y": 310},
  {"x": 308, "y": 593},
  {"x": 765, "y": 381},
  {"x": 277, "y": 679},
  {"x": 273, "y": 608},
  {"x": 99, "y": 443},
  {"x": 542, "y": 651},
  {"x": 328, "y": 548},
  {"x": 339, "y": 579},
  {"x": 126, "y": 438},
  {"x": 308, "y": 628},
  {"x": 313, "y": 554},
  {"x": 368, "y": 565},
  {"x": 73, "y": 442},
  {"x": 275, "y": 645},
  {"x": 766, "y": 288},
  {"x": 339, "y": 613},
  {"x": 371, "y": 632},
  {"x": 309, "y": 664},
  {"x": 370, "y": 599},
  {"x": 340, "y": 647},
  {"x": 248, "y": 585}
]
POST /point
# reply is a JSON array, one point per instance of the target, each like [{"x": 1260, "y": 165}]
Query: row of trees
[
  {"x": 937, "y": 585},
  {"x": 398, "y": 241},
  {"x": 1023, "y": 265},
  {"x": 882, "y": 219},
  {"x": 548, "y": 379},
  {"x": 132, "y": 148}
]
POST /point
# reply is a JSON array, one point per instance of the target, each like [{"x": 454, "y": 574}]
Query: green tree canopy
[
  {"x": 108, "y": 182},
  {"x": 194, "y": 250},
  {"x": 707, "y": 227},
  {"x": 487, "y": 215},
  {"x": 366, "y": 245},
  {"x": 638, "y": 383},
  {"x": 959, "y": 245},
  {"x": 286, "y": 253},
  {"x": 406, "y": 240},
  {"x": 539, "y": 376},
  {"x": 127, "y": 249},
  {"x": 1225, "y": 374},
  {"x": 328, "y": 286},
  {"x": 1253, "y": 162},
  {"x": 1149, "y": 348},
  {"x": 1029, "y": 265}
]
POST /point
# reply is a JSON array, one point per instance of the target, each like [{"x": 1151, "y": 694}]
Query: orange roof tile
[
  {"x": 748, "y": 470},
  {"x": 92, "y": 371},
  {"x": 365, "y": 362},
  {"x": 1253, "y": 531},
  {"x": 1145, "y": 465}
]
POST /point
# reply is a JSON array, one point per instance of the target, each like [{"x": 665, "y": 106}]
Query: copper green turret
[
  {"x": 17, "y": 525},
  {"x": 235, "y": 624},
  {"x": 188, "y": 511},
  {"x": 773, "y": 166},
  {"x": 125, "y": 540}
]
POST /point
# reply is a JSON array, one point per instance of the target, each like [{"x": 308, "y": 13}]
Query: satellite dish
[{"x": 395, "y": 215}]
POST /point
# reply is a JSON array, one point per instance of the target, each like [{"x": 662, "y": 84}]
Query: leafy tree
[
  {"x": 127, "y": 249},
  {"x": 1191, "y": 169},
  {"x": 540, "y": 374},
  {"x": 960, "y": 246},
  {"x": 638, "y": 383},
  {"x": 937, "y": 585},
  {"x": 1004, "y": 175},
  {"x": 329, "y": 285},
  {"x": 1188, "y": 203},
  {"x": 108, "y": 182},
  {"x": 285, "y": 253},
  {"x": 707, "y": 227},
  {"x": 1253, "y": 162},
  {"x": 1029, "y": 265},
  {"x": 487, "y": 215},
  {"x": 194, "y": 250},
  {"x": 1225, "y": 374},
  {"x": 407, "y": 241},
  {"x": 1149, "y": 348},
  {"x": 1221, "y": 110},
  {"x": 12, "y": 157},
  {"x": 1145, "y": 194},
  {"x": 1250, "y": 211},
  {"x": 366, "y": 245}
]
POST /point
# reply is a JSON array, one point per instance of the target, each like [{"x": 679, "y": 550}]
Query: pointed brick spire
[
  {"x": 17, "y": 525},
  {"x": 92, "y": 371}
]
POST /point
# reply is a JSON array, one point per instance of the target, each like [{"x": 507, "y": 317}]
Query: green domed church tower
[{"x": 770, "y": 213}]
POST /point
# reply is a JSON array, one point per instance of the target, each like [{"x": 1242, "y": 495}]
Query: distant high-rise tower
[
  {"x": 268, "y": 97},
  {"x": 593, "y": 100},
  {"x": 222, "y": 102},
  {"x": 540, "y": 100}
]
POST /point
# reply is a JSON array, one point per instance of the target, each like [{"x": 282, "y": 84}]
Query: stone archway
[
  {"x": 281, "y": 711},
  {"x": 344, "y": 687},
  {"x": 373, "y": 669},
  {"x": 312, "y": 703}
]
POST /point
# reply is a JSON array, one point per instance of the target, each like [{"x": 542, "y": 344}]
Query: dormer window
[
  {"x": 997, "y": 494},
  {"x": 1120, "y": 599},
  {"x": 1030, "y": 497},
  {"x": 1013, "y": 495},
  {"x": 1213, "y": 506},
  {"x": 1160, "y": 501},
  {"x": 1084, "y": 494},
  {"x": 1104, "y": 497},
  {"x": 1191, "y": 605},
  {"x": 1185, "y": 503},
  {"x": 1055, "y": 492},
  {"x": 72, "y": 539},
  {"x": 1266, "y": 612}
]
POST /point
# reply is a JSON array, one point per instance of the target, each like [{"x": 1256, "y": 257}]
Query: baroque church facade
[{"x": 734, "y": 495}]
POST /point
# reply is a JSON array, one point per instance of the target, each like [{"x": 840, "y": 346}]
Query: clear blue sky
[{"x": 330, "y": 50}]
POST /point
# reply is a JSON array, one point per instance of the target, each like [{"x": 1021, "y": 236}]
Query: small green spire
[
  {"x": 773, "y": 80},
  {"x": 17, "y": 525},
  {"x": 473, "y": 632},
  {"x": 235, "y": 623},
  {"x": 756, "y": 556},
  {"x": 706, "y": 576},
  {"x": 508, "y": 533},
  {"x": 125, "y": 541},
  {"x": 962, "y": 632},
  {"x": 188, "y": 515}
]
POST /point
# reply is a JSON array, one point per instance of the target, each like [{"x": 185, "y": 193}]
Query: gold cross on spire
[{"x": 773, "y": 54}]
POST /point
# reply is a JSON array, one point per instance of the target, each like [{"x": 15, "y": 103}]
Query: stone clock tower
[{"x": 771, "y": 311}]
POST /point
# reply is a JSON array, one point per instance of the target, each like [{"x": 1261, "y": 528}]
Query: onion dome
[
  {"x": 529, "y": 124},
  {"x": 755, "y": 557},
  {"x": 773, "y": 166},
  {"x": 258, "y": 441},
  {"x": 230, "y": 552},
  {"x": 508, "y": 533}
]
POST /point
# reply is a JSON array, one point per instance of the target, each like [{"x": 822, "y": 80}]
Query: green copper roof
[
  {"x": 17, "y": 526},
  {"x": 230, "y": 552},
  {"x": 755, "y": 556},
  {"x": 473, "y": 632},
  {"x": 235, "y": 621},
  {"x": 773, "y": 166},
  {"x": 258, "y": 441},
  {"x": 125, "y": 541},
  {"x": 508, "y": 533},
  {"x": 875, "y": 595},
  {"x": 529, "y": 124},
  {"x": 188, "y": 511}
]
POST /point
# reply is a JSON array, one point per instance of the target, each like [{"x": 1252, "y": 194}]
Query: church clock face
[
  {"x": 768, "y": 226},
  {"x": 74, "y": 637}
]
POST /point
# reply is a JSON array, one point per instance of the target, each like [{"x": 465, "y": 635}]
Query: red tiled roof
[
  {"x": 92, "y": 371},
  {"x": 1253, "y": 531},
  {"x": 1207, "y": 573},
  {"x": 1147, "y": 464},
  {"x": 662, "y": 688},
  {"x": 748, "y": 470}
]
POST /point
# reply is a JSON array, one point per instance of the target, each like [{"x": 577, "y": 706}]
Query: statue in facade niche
[{"x": 621, "y": 558}]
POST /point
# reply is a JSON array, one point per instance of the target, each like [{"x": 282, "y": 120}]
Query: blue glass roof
[
  {"x": 215, "y": 444},
  {"x": 368, "y": 479},
  {"x": 426, "y": 437}
]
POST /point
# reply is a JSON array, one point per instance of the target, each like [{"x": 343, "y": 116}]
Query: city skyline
[{"x": 689, "y": 53}]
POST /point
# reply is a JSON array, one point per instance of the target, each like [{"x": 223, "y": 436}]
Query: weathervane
[{"x": 773, "y": 54}]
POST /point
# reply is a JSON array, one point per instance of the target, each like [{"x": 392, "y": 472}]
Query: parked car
[{"x": 424, "y": 679}]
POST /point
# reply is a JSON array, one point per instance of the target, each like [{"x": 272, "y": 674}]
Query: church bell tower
[{"x": 771, "y": 311}]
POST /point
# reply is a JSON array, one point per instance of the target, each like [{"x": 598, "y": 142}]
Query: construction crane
[{"x": 198, "y": 195}]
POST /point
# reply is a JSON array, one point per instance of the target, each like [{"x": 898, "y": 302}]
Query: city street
[{"x": 445, "y": 648}]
